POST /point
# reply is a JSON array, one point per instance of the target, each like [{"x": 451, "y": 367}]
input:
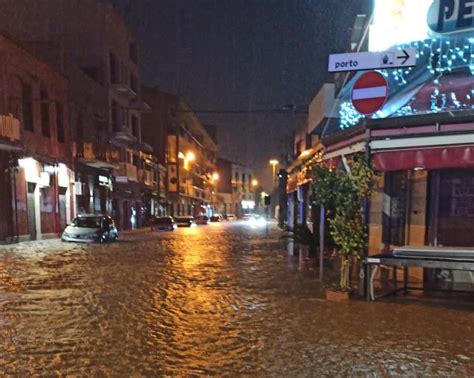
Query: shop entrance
[
  {"x": 395, "y": 208},
  {"x": 31, "y": 210},
  {"x": 62, "y": 208}
]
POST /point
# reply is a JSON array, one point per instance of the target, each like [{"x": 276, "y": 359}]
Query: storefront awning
[{"x": 425, "y": 158}]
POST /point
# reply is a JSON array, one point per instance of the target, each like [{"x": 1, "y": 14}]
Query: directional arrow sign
[{"x": 372, "y": 60}]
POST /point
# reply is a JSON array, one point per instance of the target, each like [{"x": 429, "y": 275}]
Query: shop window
[{"x": 455, "y": 208}]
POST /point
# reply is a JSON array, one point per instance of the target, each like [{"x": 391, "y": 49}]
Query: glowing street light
[
  {"x": 254, "y": 183},
  {"x": 190, "y": 156},
  {"x": 215, "y": 177},
  {"x": 274, "y": 164}
]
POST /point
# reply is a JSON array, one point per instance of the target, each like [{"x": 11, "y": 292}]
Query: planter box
[{"x": 337, "y": 296}]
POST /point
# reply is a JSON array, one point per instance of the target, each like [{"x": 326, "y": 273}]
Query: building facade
[
  {"x": 36, "y": 183},
  {"x": 237, "y": 189},
  {"x": 420, "y": 142},
  {"x": 93, "y": 47},
  {"x": 191, "y": 155}
]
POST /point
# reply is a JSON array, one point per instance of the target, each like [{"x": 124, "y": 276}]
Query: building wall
[
  {"x": 155, "y": 124},
  {"x": 41, "y": 151}
]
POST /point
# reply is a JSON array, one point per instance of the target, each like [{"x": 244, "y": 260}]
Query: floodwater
[{"x": 223, "y": 299}]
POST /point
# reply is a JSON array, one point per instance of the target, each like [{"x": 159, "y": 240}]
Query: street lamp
[
  {"x": 273, "y": 163},
  {"x": 190, "y": 156},
  {"x": 254, "y": 183}
]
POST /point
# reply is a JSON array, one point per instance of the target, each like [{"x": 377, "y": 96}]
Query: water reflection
[{"x": 220, "y": 299}]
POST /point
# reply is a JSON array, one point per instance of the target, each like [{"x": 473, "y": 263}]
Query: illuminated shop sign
[
  {"x": 104, "y": 180},
  {"x": 398, "y": 22},
  {"x": 451, "y": 16}
]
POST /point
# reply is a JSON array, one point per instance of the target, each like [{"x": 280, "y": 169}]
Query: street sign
[
  {"x": 369, "y": 93},
  {"x": 372, "y": 60}
]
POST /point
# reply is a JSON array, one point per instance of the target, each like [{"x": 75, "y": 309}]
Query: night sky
[{"x": 242, "y": 55}]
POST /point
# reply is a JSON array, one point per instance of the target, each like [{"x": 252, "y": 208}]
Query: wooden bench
[{"x": 420, "y": 257}]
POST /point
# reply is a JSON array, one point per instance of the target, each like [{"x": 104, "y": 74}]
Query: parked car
[
  {"x": 89, "y": 228},
  {"x": 230, "y": 217},
  {"x": 202, "y": 219},
  {"x": 184, "y": 221},
  {"x": 216, "y": 218},
  {"x": 164, "y": 224}
]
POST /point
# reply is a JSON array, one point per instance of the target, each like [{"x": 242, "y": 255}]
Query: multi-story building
[
  {"x": 94, "y": 48},
  {"x": 236, "y": 188},
  {"x": 155, "y": 125},
  {"x": 36, "y": 188},
  {"x": 191, "y": 161}
]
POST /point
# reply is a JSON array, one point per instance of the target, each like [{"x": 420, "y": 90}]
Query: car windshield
[
  {"x": 87, "y": 222},
  {"x": 163, "y": 221}
]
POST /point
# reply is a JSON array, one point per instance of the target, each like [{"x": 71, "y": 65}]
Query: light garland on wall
[{"x": 436, "y": 57}]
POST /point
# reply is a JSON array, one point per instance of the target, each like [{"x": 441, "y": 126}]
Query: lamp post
[{"x": 274, "y": 164}]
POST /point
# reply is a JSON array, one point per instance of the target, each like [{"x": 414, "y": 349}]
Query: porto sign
[
  {"x": 451, "y": 16},
  {"x": 372, "y": 60},
  {"x": 369, "y": 93}
]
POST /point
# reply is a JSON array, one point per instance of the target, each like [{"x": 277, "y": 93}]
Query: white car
[{"x": 90, "y": 228}]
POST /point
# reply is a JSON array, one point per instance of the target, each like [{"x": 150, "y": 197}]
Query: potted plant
[{"x": 344, "y": 192}]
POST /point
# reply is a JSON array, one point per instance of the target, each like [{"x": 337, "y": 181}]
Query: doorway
[{"x": 31, "y": 209}]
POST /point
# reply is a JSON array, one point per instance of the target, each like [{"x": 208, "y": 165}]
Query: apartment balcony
[
  {"x": 146, "y": 177},
  {"x": 96, "y": 155},
  {"x": 123, "y": 136},
  {"x": 123, "y": 89},
  {"x": 143, "y": 147},
  {"x": 194, "y": 192},
  {"x": 125, "y": 173},
  {"x": 140, "y": 105},
  {"x": 9, "y": 133}
]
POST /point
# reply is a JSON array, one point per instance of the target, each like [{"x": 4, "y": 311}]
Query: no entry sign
[{"x": 369, "y": 93}]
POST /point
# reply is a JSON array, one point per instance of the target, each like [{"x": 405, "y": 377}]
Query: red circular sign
[{"x": 369, "y": 93}]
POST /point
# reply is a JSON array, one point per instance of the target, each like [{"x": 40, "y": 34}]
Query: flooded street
[{"x": 218, "y": 299}]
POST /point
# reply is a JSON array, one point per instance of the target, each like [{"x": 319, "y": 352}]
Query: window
[
  {"x": 237, "y": 176},
  {"x": 133, "y": 52},
  {"x": 135, "y": 127},
  {"x": 394, "y": 218},
  {"x": 116, "y": 117},
  {"x": 79, "y": 124},
  {"x": 133, "y": 83},
  {"x": 27, "y": 106},
  {"x": 243, "y": 178},
  {"x": 60, "y": 122},
  {"x": 45, "y": 126},
  {"x": 114, "y": 70}
]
